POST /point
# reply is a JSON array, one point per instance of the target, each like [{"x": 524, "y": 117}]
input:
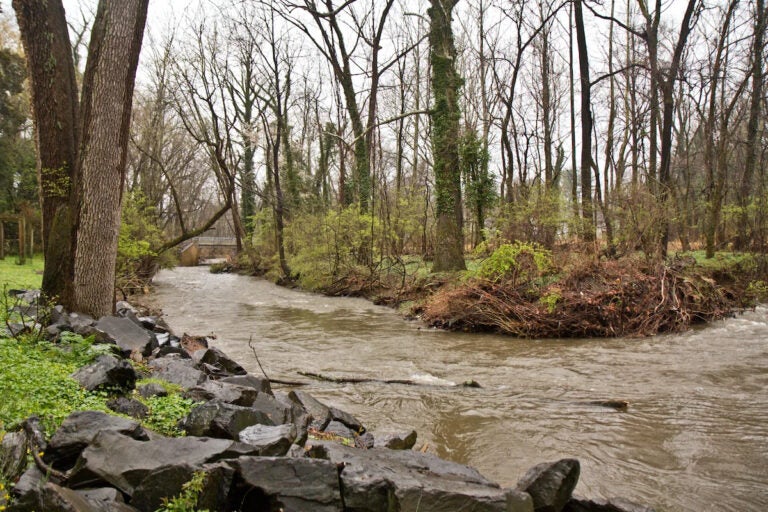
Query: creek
[{"x": 694, "y": 438}]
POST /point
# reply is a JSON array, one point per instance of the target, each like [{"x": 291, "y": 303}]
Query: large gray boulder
[
  {"x": 270, "y": 440},
  {"x": 223, "y": 392},
  {"x": 604, "y": 505},
  {"x": 80, "y": 428},
  {"x": 270, "y": 484},
  {"x": 217, "y": 359},
  {"x": 51, "y": 497},
  {"x": 380, "y": 480},
  {"x": 551, "y": 484},
  {"x": 178, "y": 371},
  {"x": 251, "y": 381},
  {"x": 222, "y": 420},
  {"x": 13, "y": 455},
  {"x": 125, "y": 463},
  {"x": 393, "y": 440},
  {"x": 127, "y": 335},
  {"x": 320, "y": 413},
  {"x": 106, "y": 372}
]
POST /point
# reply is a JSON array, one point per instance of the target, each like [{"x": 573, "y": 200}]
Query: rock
[
  {"x": 339, "y": 429},
  {"x": 249, "y": 380},
  {"x": 81, "y": 323},
  {"x": 296, "y": 451},
  {"x": 178, "y": 371},
  {"x": 163, "y": 339},
  {"x": 57, "y": 314},
  {"x": 394, "y": 440},
  {"x": 127, "y": 335},
  {"x": 168, "y": 349},
  {"x": 102, "y": 495},
  {"x": 222, "y": 420},
  {"x": 270, "y": 440},
  {"x": 26, "y": 491},
  {"x": 80, "y": 428},
  {"x": 271, "y": 407},
  {"x": 294, "y": 413},
  {"x": 380, "y": 480},
  {"x": 148, "y": 322},
  {"x": 223, "y": 392},
  {"x": 320, "y": 413},
  {"x": 54, "y": 498},
  {"x": 159, "y": 483},
  {"x": 124, "y": 463},
  {"x": 218, "y": 359},
  {"x": 602, "y": 505},
  {"x": 152, "y": 389},
  {"x": 550, "y": 484},
  {"x": 129, "y": 407},
  {"x": 270, "y": 484},
  {"x": 347, "y": 419},
  {"x": 106, "y": 372},
  {"x": 13, "y": 456}
]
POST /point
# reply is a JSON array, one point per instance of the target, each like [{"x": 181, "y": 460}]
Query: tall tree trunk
[
  {"x": 44, "y": 34},
  {"x": 588, "y": 232},
  {"x": 110, "y": 72},
  {"x": 449, "y": 249},
  {"x": 753, "y": 125}
]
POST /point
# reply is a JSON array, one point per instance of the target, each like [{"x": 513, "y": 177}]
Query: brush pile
[{"x": 604, "y": 299}]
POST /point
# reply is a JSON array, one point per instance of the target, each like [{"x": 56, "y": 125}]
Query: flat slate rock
[
  {"x": 404, "y": 440},
  {"x": 224, "y": 392},
  {"x": 380, "y": 480},
  {"x": 270, "y": 440},
  {"x": 124, "y": 463},
  {"x": 320, "y": 413},
  {"x": 276, "y": 484},
  {"x": 106, "y": 372},
  {"x": 576, "y": 504},
  {"x": 222, "y": 420},
  {"x": 127, "y": 335},
  {"x": 250, "y": 381},
  {"x": 178, "y": 371},
  {"x": 80, "y": 428}
]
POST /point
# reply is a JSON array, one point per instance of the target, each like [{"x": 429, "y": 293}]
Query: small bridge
[{"x": 199, "y": 249}]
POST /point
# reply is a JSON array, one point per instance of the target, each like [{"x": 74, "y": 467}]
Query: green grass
[
  {"x": 26, "y": 276},
  {"x": 35, "y": 379}
]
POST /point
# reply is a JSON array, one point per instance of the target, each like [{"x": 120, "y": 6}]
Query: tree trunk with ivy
[
  {"x": 449, "y": 243},
  {"x": 44, "y": 35},
  {"x": 83, "y": 148}
]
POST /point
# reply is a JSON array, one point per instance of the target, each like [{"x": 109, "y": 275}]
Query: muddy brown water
[{"x": 694, "y": 438}]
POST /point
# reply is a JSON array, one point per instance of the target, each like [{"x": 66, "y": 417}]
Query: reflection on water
[{"x": 695, "y": 437}]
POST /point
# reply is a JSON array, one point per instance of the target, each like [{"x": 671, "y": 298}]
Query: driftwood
[{"x": 360, "y": 380}]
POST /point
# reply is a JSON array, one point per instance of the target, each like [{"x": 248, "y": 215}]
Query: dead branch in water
[{"x": 362, "y": 380}]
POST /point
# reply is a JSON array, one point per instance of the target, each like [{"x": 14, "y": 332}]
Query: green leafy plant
[
  {"x": 165, "y": 412},
  {"x": 36, "y": 380},
  {"x": 187, "y": 500},
  {"x": 550, "y": 300},
  {"x": 516, "y": 262}
]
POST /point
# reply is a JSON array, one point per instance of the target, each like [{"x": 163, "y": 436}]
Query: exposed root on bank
[{"x": 608, "y": 299}]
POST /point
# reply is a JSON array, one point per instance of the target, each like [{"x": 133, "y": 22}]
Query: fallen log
[{"x": 361, "y": 380}]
